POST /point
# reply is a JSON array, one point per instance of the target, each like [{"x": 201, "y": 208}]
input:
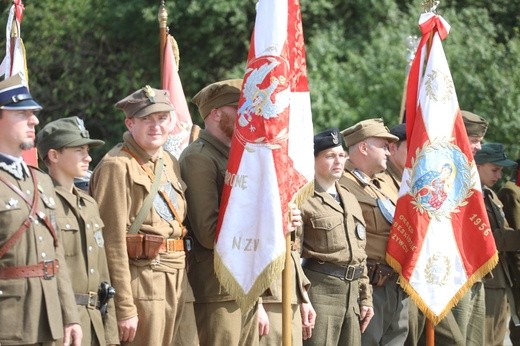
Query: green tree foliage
[{"x": 85, "y": 55}]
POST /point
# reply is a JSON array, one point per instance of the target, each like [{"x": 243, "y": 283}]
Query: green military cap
[
  {"x": 145, "y": 101},
  {"x": 329, "y": 138},
  {"x": 476, "y": 126},
  {"x": 365, "y": 129},
  {"x": 493, "y": 153},
  {"x": 219, "y": 94},
  {"x": 64, "y": 133}
]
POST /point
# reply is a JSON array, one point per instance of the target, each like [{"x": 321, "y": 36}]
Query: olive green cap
[
  {"x": 216, "y": 95},
  {"x": 64, "y": 133},
  {"x": 365, "y": 129},
  {"x": 493, "y": 153},
  {"x": 476, "y": 126},
  {"x": 145, "y": 101}
]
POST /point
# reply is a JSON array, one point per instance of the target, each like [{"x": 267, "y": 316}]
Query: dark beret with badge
[
  {"x": 327, "y": 139},
  {"x": 145, "y": 101},
  {"x": 216, "y": 95},
  {"x": 64, "y": 133},
  {"x": 493, "y": 153},
  {"x": 14, "y": 94},
  {"x": 476, "y": 126},
  {"x": 366, "y": 129}
]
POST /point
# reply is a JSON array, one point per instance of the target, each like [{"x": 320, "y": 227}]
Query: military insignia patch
[
  {"x": 361, "y": 231},
  {"x": 441, "y": 179},
  {"x": 160, "y": 205}
]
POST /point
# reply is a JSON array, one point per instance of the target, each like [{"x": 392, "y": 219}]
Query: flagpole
[
  {"x": 411, "y": 46},
  {"x": 286, "y": 294},
  {"x": 162, "y": 17}
]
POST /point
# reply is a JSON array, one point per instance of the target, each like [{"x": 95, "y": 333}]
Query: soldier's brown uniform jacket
[
  {"x": 32, "y": 310},
  {"x": 120, "y": 185},
  {"x": 510, "y": 197},
  {"x": 81, "y": 226}
]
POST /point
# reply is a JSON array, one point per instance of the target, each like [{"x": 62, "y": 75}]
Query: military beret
[
  {"x": 219, "y": 94},
  {"x": 399, "y": 131},
  {"x": 14, "y": 94},
  {"x": 329, "y": 138},
  {"x": 365, "y": 129},
  {"x": 493, "y": 153},
  {"x": 64, "y": 133},
  {"x": 145, "y": 101},
  {"x": 476, "y": 126}
]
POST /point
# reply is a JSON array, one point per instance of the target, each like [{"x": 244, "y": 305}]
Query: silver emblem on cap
[{"x": 335, "y": 138}]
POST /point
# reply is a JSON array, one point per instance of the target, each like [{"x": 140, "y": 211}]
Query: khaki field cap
[
  {"x": 365, "y": 129},
  {"x": 476, "y": 126},
  {"x": 330, "y": 138},
  {"x": 14, "y": 94},
  {"x": 64, "y": 133},
  {"x": 493, "y": 153},
  {"x": 144, "y": 102},
  {"x": 219, "y": 94}
]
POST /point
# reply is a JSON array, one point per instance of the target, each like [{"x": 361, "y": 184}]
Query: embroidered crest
[
  {"x": 266, "y": 97},
  {"x": 439, "y": 86},
  {"x": 438, "y": 269},
  {"x": 441, "y": 179}
]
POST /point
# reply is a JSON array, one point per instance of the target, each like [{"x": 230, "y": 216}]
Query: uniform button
[
  {"x": 28, "y": 192},
  {"x": 92, "y": 270},
  {"x": 90, "y": 248},
  {"x": 88, "y": 225},
  {"x": 1, "y": 292},
  {"x": 36, "y": 222},
  {"x": 40, "y": 238},
  {"x": 96, "y": 225},
  {"x": 67, "y": 226},
  {"x": 44, "y": 254}
]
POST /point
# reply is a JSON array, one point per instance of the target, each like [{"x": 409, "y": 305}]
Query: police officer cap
[
  {"x": 476, "y": 126},
  {"x": 365, "y": 129},
  {"x": 145, "y": 101},
  {"x": 327, "y": 139},
  {"x": 14, "y": 94},
  {"x": 64, "y": 133},
  {"x": 219, "y": 94},
  {"x": 399, "y": 131},
  {"x": 493, "y": 153}
]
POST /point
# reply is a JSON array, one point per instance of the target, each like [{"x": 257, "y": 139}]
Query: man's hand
[
  {"x": 263, "y": 321},
  {"x": 366, "y": 314},
  {"x": 72, "y": 335},
  {"x": 308, "y": 319},
  {"x": 127, "y": 329},
  {"x": 295, "y": 217}
]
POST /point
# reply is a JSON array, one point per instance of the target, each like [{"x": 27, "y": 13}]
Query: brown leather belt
[
  {"x": 89, "y": 300},
  {"x": 44, "y": 269},
  {"x": 349, "y": 273},
  {"x": 171, "y": 245}
]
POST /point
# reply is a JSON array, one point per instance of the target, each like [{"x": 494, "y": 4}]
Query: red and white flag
[
  {"x": 15, "y": 62},
  {"x": 440, "y": 241},
  {"x": 179, "y": 136},
  {"x": 271, "y": 156}
]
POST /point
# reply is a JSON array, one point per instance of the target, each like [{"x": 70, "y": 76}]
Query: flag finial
[{"x": 430, "y": 6}]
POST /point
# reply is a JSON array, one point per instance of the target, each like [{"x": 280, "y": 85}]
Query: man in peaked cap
[
  {"x": 490, "y": 160},
  {"x": 476, "y": 127},
  {"x": 397, "y": 159},
  {"x": 340, "y": 291},
  {"x": 203, "y": 164},
  {"x": 368, "y": 150},
  {"x": 36, "y": 299},
  {"x": 64, "y": 145},
  {"x": 141, "y": 198}
]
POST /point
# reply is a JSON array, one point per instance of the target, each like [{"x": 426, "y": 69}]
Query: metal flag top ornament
[
  {"x": 440, "y": 242},
  {"x": 271, "y": 156}
]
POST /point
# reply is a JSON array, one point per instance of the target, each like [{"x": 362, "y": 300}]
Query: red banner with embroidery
[
  {"x": 271, "y": 155},
  {"x": 440, "y": 242}
]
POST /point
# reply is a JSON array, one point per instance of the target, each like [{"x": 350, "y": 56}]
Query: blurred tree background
[{"x": 85, "y": 55}]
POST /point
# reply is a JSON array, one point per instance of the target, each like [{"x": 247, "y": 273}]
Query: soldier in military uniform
[
  {"x": 36, "y": 299},
  {"x": 367, "y": 143},
  {"x": 509, "y": 195},
  {"x": 203, "y": 163},
  {"x": 64, "y": 146},
  {"x": 397, "y": 159},
  {"x": 490, "y": 160},
  {"x": 334, "y": 257},
  {"x": 140, "y": 195}
]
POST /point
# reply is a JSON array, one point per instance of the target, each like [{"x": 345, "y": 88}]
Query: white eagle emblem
[{"x": 260, "y": 101}]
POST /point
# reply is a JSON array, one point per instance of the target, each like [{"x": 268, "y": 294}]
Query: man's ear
[{"x": 52, "y": 155}]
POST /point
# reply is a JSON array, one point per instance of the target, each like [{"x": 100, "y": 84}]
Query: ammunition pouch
[
  {"x": 143, "y": 246},
  {"x": 379, "y": 274}
]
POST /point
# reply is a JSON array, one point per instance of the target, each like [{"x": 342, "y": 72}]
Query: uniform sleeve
[
  {"x": 365, "y": 289},
  {"x": 200, "y": 174},
  {"x": 511, "y": 202},
  {"x": 109, "y": 187}
]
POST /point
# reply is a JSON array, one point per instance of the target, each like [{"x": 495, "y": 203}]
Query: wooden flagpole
[
  {"x": 287, "y": 275},
  {"x": 162, "y": 17}
]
